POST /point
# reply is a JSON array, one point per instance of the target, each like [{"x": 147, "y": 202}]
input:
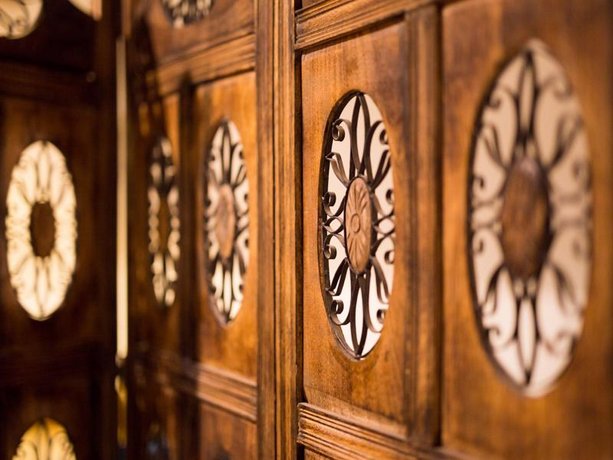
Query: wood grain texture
[
  {"x": 331, "y": 436},
  {"x": 207, "y": 64},
  {"x": 228, "y": 19},
  {"x": 265, "y": 121},
  {"x": 328, "y": 20},
  {"x": 58, "y": 84},
  {"x": 287, "y": 229},
  {"x": 483, "y": 416},
  {"x": 396, "y": 384},
  {"x": 233, "y": 346}
]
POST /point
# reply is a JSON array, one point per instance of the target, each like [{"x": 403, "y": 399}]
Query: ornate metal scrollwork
[
  {"x": 41, "y": 229},
  {"x": 185, "y": 12},
  {"x": 357, "y": 224},
  {"x": 226, "y": 221},
  {"x": 19, "y": 17},
  {"x": 529, "y": 220},
  {"x": 164, "y": 223},
  {"x": 45, "y": 440}
]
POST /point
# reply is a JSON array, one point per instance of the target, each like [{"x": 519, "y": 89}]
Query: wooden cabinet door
[
  {"x": 199, "y": 235},
  {"x": 57, "y": 227},
  {"x": 531, "y": 384},
  {"x": 368, "y": 228}
]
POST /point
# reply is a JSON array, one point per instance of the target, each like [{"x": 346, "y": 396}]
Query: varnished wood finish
[
  {"x": 275, "y": 383},
  {"x": 378, "y": 392},
  {"x": 193, "y": 79},
  {"x": 482, "y": 415},
  {"x": 55, "y": 85}
]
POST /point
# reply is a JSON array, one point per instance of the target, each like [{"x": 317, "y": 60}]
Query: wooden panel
[
  {"x": 152, "y": 326},
  {"x": 326, "y": 20},
  {"x": 68, "y": 400},
  {"x": 234, "y": 346},
  {"x": 378, "y": 393},
  {"x": 223, "y": 436},
  {"x": 227, "y": 19},
  {"x": 21, "y": 123},
  {"x": 64, "y": 38},
  {"x": 482, "y": 414}
]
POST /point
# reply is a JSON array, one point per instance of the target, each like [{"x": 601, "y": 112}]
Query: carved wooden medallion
[
  {"x": 41, "y": 229},
  {"x": 45, "y": 440},
  {"x": 529, "y": 220},
  {"x": 358, "y": 230},
  {"x": 185, "y": 12},
  {"x": 19, "y": 18},
  {"x": 164, "y": 223},
  {"x": 357, "y": 225},
  {"x": 226, "y": 221}
]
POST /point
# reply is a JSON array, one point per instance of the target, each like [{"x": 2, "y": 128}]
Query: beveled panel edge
[
  {"x": 338, "y": 437},
  {"x": 331, "y": 19},
  {"x": 35, "y": 82},
  {"x": 201, "y": 65},
  {"x": 207, "y": 384}
]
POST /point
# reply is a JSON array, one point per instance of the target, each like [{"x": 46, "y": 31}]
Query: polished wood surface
[
  {"x": 482, "y": 415},
  {"x": 57, "y": 84}
]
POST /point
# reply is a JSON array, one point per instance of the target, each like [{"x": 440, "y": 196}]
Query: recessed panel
[
  {"x": 530, "y": 221},
  {"x": 526, "y": 221}
]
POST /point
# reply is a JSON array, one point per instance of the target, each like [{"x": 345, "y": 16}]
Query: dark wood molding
[
  {"x": 50, "y": 85},
  {"x": 342, "y": 438},
  {"x": 201, "y": 65},
  {"x": 287, "y": 229},
  {"x": 424, "y": 347},
  {"x": 207, "y": 384},
  {"x": 328, "y": 20},
  {"x": 266, "y": 75}
]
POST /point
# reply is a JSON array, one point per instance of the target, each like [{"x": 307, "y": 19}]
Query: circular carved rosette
[
  {"x": 19, "y": 18},
  {"x": 46, "y": 439},
  {"x": 530, "y": 220},
  {"x": 226, "y": 220},
  {"x": 41, "y": 229},
  {"x": 164, "y": 223},
  {"x": 357, "y": 225},
  {"x": 185, "y": 12}
]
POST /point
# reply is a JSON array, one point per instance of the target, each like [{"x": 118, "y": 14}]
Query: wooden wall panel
[
  {"x": 152, "y": 326},
  {"x": 482, "y": 415},
  {"x": 233, "y": 346},
  {"x": 227, "y": 19},
  {"x": 365, "y": 64},
  {"x": 371, "y": 408},
  {"x": 225, "y": 436}
]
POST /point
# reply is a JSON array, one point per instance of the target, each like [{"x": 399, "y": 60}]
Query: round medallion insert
[
  {"x": 530, "y": 220},
  {"x": 357, "y": 223},
  {"x": 358, "y": 232},
  {"x": 41, "y": 229}
]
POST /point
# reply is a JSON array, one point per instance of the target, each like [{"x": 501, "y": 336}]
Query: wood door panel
[
  {"x": 153, "y": 326},
  {"x": 69, "y": 400},
  {"x": 233, "y": 346},
  {"x": 21, "y": 123},
  {"x": 365, "y": 64},
  {"x": 482, "y": 414},
  {"x": 224, "y": 436},
  {"x": 371, "y": 407},
  {"x": 227, "y": 19}
]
